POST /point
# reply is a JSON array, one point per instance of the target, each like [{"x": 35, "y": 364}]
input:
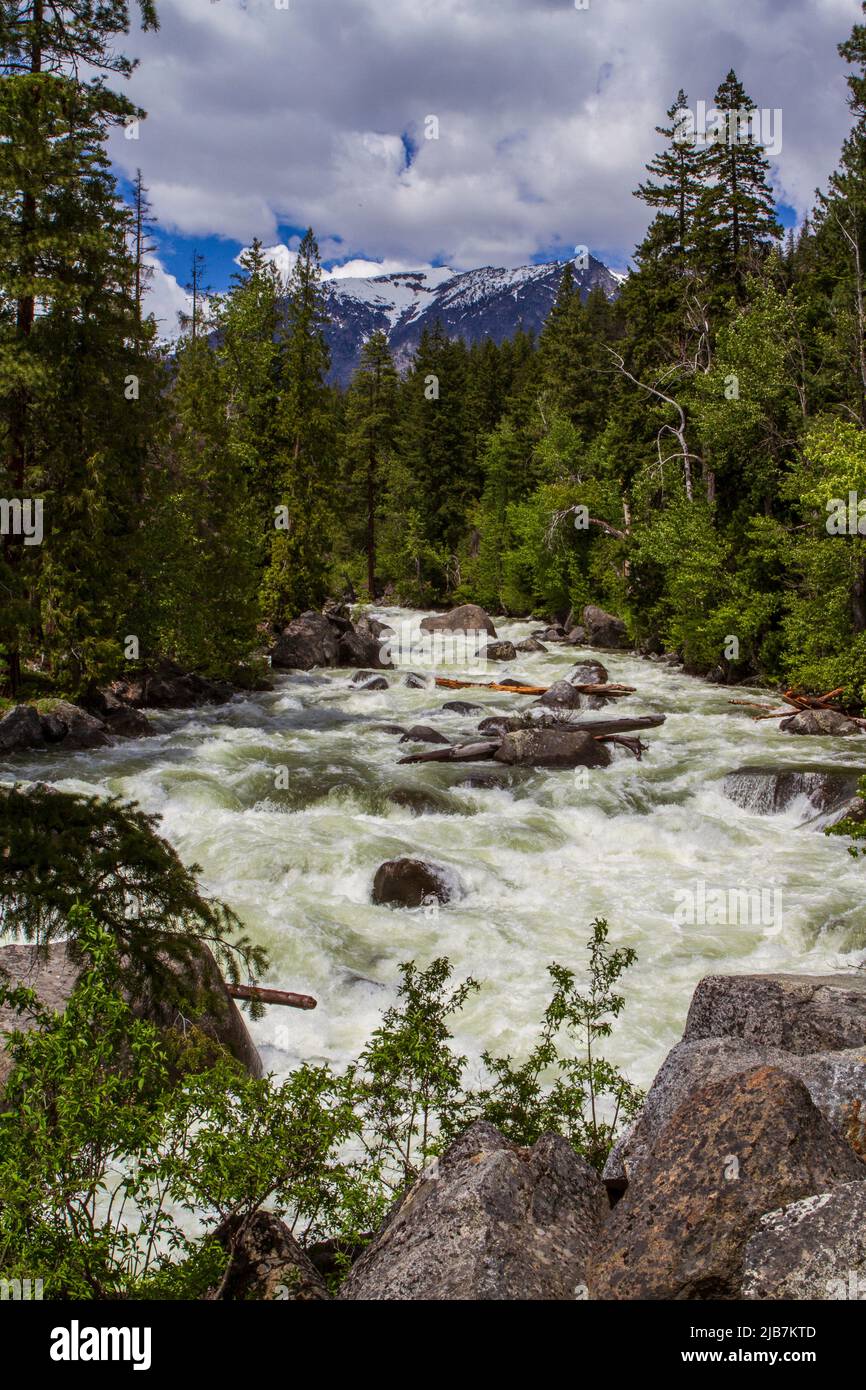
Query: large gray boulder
[
  {"x": 603, "y": 629},
  {"x": 308, "y": 641},
  {"x": 266, "y": 1262},
  {"x": 733, "y": 1151},
  {"x": 74, "y": 727},
  {"x": 796, "y": 1013},
  {"x": 820, "y": 721},
  {"x": 836, "y": 1081},
  {"x": 500, "y": 651},
  {"x": 488, "y": 1221},
  {"x": 812, "y": 1249},
  {"x": 21, "y": 729},
  {"x": 53, "y": 975},
  {"x": 551, "y": 748},
  {"x": 363, "y": 649},
  {"x": 588, "y": 672},
  {"x": 467, "y": 618}
]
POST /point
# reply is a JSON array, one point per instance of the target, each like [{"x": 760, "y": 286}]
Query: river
[{"x": 287, "y": 802}]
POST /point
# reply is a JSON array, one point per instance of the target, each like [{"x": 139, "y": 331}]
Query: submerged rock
[
  {"x": 488, "y": 1221},
  {"x": 500, "y": 651},
  {"x": 462, "y": 707},
  {"x": 734, "y": 1150},
  {"x": 411, "y": 883},
  {"x": 422, "y": 733}
]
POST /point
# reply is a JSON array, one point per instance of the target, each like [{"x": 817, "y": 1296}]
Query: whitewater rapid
[{"x": 286, "y": 800}]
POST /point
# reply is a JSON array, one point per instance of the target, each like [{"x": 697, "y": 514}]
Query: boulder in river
[
  {"x": 461, "y": 707},
  {"x": 551, "y": 748},
  {"x": 736, "y": 1149},
  {"x": 415, "y": 682},
  {"x": 561, "y": 695},
  {"x": 603, "y": 629},
  {"x": 811, "y": 1249},
  {"x": 853, "y": 811},
  {"x": 362, "y": 649},
  {"x": 576, "y": 637},
  {"x": 309, "y": 641},
  {"x": 422, "y": 733},
  {"x": 368, "y": 680},
  {"x": 119, "y": 718},
  {"x": 770, "y": 790},
  {"x": 500, "y": 651},
  {"x": 820, "y": 721},
  {"x": 267, "y": 1262},
  {"x": 797, "y": 1013},
  {"x": 588, "y": 673},
  {"x": 467, "y": 618},
  {"x": 554, "y": 633},
  {"x": 530, "y": 644},
  {"x": 168, "y": 686},
  {"x": 488, "y": 1221},
  {"x": 74, "y": 727},
  {"x": 411, "y": 883},
  {"x": 20, "y": 729}
]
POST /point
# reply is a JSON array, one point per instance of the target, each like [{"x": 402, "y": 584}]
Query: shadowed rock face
[
  {"x": 488, "y": 1220},
  {"x": 768, "y": 790},
  {"x": 603, "y": 629},
  {"x": 813, "y": 1249},
  {"x": 267, "y": 1262},
  {"x": 54, "y": 975},
  {"x": 735, "y": 1150}
]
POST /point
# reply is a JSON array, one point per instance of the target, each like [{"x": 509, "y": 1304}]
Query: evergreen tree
[{"x": 371, "y": 436}]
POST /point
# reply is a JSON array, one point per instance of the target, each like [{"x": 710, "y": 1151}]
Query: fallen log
[
  {"x": 633, "y": 745},
  {"x": 272, "y": 996},
  {"x": 612, "y": 689},
  {"x": 459, "y": 753},
  {"x": 609, "y": 728}
]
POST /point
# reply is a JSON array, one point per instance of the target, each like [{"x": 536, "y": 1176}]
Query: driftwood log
[
  {"x": 272, "y": 996},
  {"x": 613, "y": 690}
]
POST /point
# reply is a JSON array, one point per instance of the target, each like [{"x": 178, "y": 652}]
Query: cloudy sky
[{"x": 270, "y": 115}]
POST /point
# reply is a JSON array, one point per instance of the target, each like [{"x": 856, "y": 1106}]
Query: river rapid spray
[{"x": 290, "y": 800}]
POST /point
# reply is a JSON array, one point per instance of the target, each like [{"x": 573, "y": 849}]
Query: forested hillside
[{"x": 675, "y": 455}]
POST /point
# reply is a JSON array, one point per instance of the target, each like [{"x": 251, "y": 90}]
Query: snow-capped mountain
[{"x": 471, "y": 304}]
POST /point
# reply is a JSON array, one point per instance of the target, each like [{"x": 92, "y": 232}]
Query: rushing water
[{"x": 538, "y": 853}]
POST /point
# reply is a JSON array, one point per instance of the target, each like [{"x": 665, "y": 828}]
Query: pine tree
[
  {"x": 296, "y": 576},
  {"x": 371, "y": 437},
  {"x": 736, "y": 221},
  {"x": 63, "y": 244},
  {"x": 676, "y": 183}
]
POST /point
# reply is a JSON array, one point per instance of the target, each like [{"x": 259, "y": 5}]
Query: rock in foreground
[
  {"x": 813, "y": 1249},
  {"x": 820, "y": 721},
  {"x": 797, "y": 1013},
  {"x": 267, "y": 1262},
  {"x": 735, "y": 1150},
  {"x": 488, "y": 1221}
]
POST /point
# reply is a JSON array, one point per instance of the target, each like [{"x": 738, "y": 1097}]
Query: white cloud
[
  {"x": 165, "y": 298},
  {"x": 261, "y": 117}
]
